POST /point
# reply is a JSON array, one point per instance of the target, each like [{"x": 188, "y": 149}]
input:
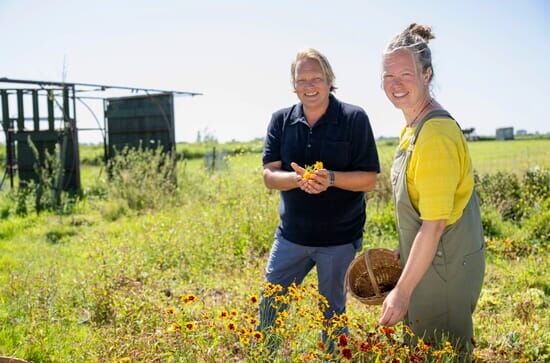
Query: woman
[{"x": 440, "y": 234}]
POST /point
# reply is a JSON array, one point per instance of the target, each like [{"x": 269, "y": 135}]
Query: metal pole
[
  {"x": 76, "y": 146},
  {"x": 5, "y": 110},
  {"x": 20, "y": 111},
  {"x": 51, "y": 117},
  {"x": 35, "y": 111}
]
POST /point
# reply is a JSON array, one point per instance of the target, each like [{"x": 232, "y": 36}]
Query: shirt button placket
[{"x": 308, "y": 150}]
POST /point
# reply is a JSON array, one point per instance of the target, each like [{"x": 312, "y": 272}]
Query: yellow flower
[
  {"x": 174, "y": 327},
  {"x": 258, "y": 336},
  {"x": 253, "y": 321},
  {"x": 224, "y": 314},
  {"x": 231, "y": 326},
  {"x": 188, "y": 299},
  {"x": 233, "y": 312},
  {"x": 408, "y": 331},
  {"x": 318, "y": 165},
  {"x": 448, "y": 348},
  {"x": 190, "y": 325},
  {"x": 253, "y": 299},
  {"x": 169, "y": 311}
]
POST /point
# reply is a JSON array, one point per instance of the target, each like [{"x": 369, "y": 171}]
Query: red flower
[
  {"x": 388, "y": 331},
  {"x": 365, "y": 347},
  {"x": 415, "y": 358},
  {"x": 343, "y": 340},
  {"x": 346, "y": 353}
]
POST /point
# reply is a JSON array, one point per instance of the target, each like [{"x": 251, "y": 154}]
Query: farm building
[{"x": 505, "y": 133}]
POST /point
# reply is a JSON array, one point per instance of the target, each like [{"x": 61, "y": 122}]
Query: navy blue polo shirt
[{"x": 343, "y": 140}]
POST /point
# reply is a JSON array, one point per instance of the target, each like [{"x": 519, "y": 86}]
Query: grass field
[{"x": 176, "y": 281}]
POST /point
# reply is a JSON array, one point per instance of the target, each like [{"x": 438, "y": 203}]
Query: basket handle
[{"x": 371, "y": 274}]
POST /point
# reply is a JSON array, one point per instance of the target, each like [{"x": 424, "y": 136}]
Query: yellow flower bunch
[{"x": 311, "y": 169}]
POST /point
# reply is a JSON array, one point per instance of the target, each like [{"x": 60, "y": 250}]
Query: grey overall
[{"x": 446, "y": 296}]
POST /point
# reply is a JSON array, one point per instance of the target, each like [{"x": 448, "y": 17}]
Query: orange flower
[{"x": 321, "y": 345}]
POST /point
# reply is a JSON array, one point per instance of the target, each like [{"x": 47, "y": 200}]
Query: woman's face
[{"x": 404, "y": 83}]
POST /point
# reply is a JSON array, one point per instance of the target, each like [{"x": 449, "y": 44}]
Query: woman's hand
[
  {"x": 396, "y": 254},
  {"x": 395, "y": 307}
]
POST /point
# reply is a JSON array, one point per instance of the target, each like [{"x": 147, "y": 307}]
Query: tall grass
[{"x": 109, "y": 281}]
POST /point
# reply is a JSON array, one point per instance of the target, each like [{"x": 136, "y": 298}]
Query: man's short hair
[{"x": 311, "y": 53}]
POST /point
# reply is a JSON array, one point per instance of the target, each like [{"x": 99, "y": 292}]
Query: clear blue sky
[{"x": 491, "y": 58}]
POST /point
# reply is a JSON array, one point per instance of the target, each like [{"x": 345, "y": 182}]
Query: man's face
[{"x": 311, "y": 86}]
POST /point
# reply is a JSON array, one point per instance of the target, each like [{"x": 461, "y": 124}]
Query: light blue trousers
[{"x": 290, "y": 262}]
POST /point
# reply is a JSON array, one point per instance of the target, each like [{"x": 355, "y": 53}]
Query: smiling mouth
[
  {"x": 400, "y": 94},
  {"x": 311, "y": 94}
]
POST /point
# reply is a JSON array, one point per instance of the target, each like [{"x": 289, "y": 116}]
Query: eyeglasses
[{"x": 305, "y": 82}]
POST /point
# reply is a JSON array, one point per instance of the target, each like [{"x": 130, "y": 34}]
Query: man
[{"x": 322, "y": 215}]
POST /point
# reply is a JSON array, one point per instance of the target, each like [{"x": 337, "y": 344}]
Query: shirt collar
[{"x": 330, "y": 116}]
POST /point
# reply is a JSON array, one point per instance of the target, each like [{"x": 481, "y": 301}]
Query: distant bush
[
  {"x": 382, "y": 224},
  {"x": 143, "y": 178},
  {"x": 501, "y": 191},
  {"x": 492, "y": 222},
  {"x": 382, "y": 192},
  {"x": 538, "y": 225}
]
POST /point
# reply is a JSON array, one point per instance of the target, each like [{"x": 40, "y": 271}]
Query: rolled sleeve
[{"x": 272, "y": 142}]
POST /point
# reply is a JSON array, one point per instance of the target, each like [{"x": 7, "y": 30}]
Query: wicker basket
[
  {"x": 372, "y": 275},
  {"x": 11, "y": 360}
]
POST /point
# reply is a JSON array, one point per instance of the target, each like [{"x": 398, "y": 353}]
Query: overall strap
[{"x": 428, "y": 116}]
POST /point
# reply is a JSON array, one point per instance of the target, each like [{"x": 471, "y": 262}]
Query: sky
[{"x": 491, "y": 58}]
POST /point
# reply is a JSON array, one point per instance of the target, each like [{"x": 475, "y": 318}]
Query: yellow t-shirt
[{"x": 440, "y": 178}]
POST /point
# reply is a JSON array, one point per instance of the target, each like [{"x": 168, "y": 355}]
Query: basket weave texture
[
  {"x": 372, "y": 275},
  {"x": 11, "y": 360}
]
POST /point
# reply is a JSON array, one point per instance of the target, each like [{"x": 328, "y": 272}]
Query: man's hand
[{"x": 318, "y": 182}]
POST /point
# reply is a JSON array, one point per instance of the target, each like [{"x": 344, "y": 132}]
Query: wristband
[{"x": 332, "y": 177}]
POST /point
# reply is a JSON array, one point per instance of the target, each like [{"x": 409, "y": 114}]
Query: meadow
[{"x": 157, "y": 265}]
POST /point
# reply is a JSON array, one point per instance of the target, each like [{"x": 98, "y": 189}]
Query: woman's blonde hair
[{"x": 415, "y": 38}]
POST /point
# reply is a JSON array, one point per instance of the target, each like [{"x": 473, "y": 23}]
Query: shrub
[
  {"x": 144, "y": 178},
  {"x": 492, "y": 222},
  {"x": 501, "y": 191},
  {"x": 538, "y": 225},
  {"x": 382, "y": 224},
  {"x": 535, "y": 190}
]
